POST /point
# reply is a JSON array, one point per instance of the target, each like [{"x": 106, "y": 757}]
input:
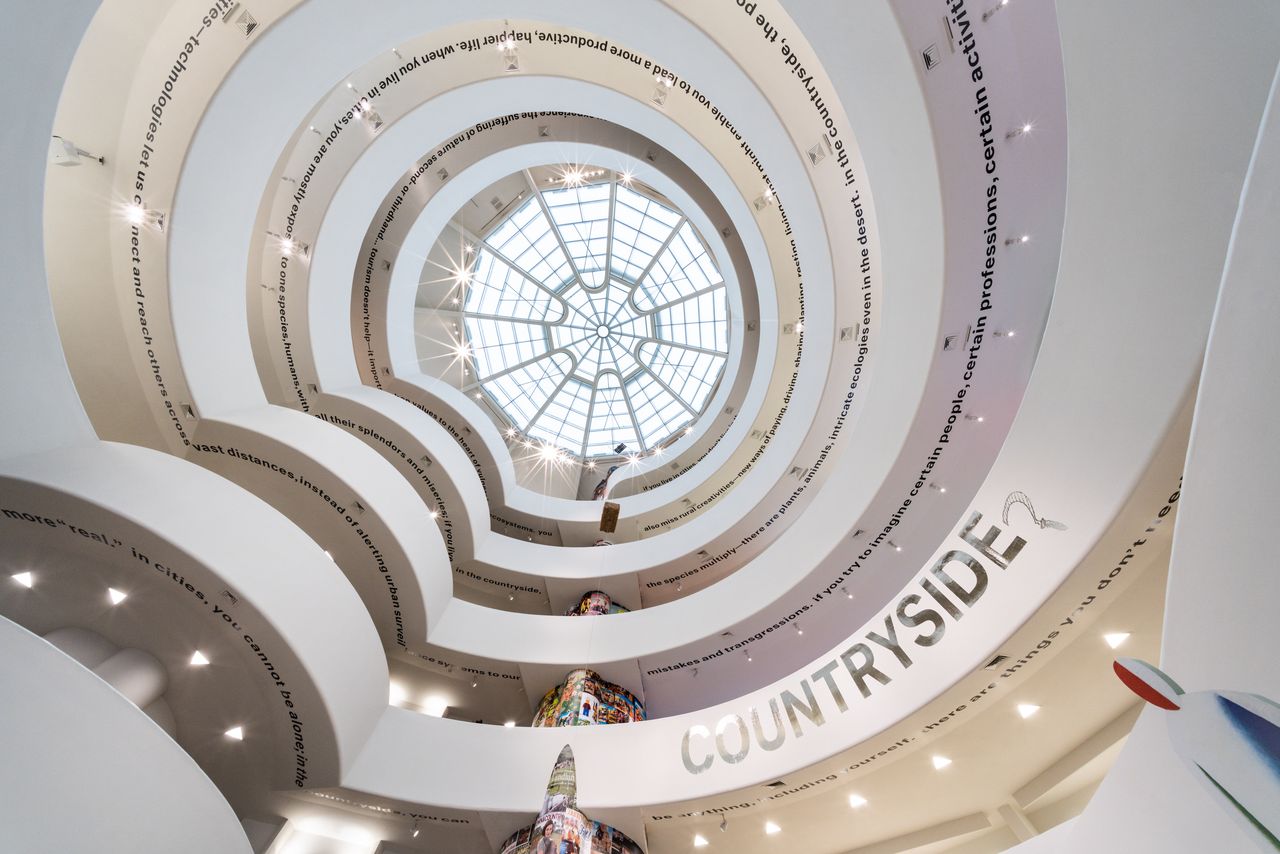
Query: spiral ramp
[{"x": 969, "y": 256}]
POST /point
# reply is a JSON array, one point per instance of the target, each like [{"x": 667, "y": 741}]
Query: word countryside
[{"x": 919, "y": 619}]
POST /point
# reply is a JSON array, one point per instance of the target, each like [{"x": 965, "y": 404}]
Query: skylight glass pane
[
  {"x": 496, "y": 345},
  {"x": 610, "y": 419},
  {"x": 582, "y": 216},
  {"x": 527, "y": 241},
  {"x": 690, "y": 374},
  {"x": 522, "y": 392},
  {"x": 499, "y": 289},
  {"x": 564, "y": 421},
  {"x": 656, "y": 408},
  {"x": 640, "y": 227},
  {"x": 682, "y": 269},
  {"x": 699, "y": 322},
  {"x": 621, "y": 341}
]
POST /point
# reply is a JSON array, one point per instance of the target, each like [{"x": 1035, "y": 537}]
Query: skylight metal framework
[{"x": 595, "y": 316}]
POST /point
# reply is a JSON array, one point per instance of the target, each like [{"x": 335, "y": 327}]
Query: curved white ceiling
[{"x": 818, "y": 570}]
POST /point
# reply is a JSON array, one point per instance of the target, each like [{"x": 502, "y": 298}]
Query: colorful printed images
[
  {"x": 584, "y": 699},
  {"x": 561, "y": 828}
]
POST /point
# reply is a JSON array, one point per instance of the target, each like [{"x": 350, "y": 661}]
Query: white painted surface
[{"x": 85, "y": 770}]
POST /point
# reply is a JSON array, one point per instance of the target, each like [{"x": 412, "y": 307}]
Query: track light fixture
[
  {"x": 1020, "y": 130},
  {"x": 986, "y": 16},
  {"x": 63, "y": 152}
]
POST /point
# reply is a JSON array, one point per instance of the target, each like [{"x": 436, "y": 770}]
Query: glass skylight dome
[{"x": 595, "y": 317}]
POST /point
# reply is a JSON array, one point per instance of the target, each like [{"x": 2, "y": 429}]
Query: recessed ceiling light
[
  {"x": 700, "y": 841},
  {"x": 236, "y": 733},
  {"x": 116, "y": 596},
  {"x": 26, "y": 579},
  {"x": 510, "y": 724},
  {"x": 770, "y": 827},
  {"x": 856, "y": 801},
  {"x": 395, "y": 694},
  {"x": 198, "y": 659},
  {"x": 1027, "y": 709},
  {"x": 435, "y": 706},
  {"x": 135, "y": 213},
  {"x": 940, "y": 762},
  {"x": 1115, "y": 639}
]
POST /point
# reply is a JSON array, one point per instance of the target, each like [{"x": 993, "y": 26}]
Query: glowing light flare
[{"x": 1115, "y": 639}]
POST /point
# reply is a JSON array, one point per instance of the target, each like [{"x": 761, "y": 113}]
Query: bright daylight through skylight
[{"x": 595, "y": 317}]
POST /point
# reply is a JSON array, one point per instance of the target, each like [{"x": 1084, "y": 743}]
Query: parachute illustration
[{"x": 1021, "y": 498}]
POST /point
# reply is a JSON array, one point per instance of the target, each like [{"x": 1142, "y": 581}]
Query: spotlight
[
  {"x": 236, "y": 733},
  {"x": 724, "y": 823},
  {"x": 940, "y": 762},
  {"x": 116, "y": 596},
  {"x": 1021, "y": 238},
  {"x": 748, "y": 653},
  {"x": 799, "y": 631},
  {"x": 771, "y": 828},
  {"x": 1023, "y": 130},
  {"x": 977, "y": 418},
  {"x": 416, "y": 830},
  {"x": 699, "y": 841},
  {"x": 1115, "y": 639},
  {"x": 198, "y": 659},
  {"x": 475, "y": 683},
  {"x": 26, "y": 579},
  {"x": 626, "y": 178},
  {"x": 511, "y": 597},
  {"x": 856, "y": 801},
  {"x": 135, "y": 213},
  {"x": 847, "y": 594},
  {"x": 1026, "y": 710}
]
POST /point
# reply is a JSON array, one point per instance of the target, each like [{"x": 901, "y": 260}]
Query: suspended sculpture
[
  {"x": 561, "y": 828},
  {"x": 594, "y": 603},
  {"x": 1228, "y": 740},
  {"x": 602, "y": 488},
  {"x": 585, "y": 698}
]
